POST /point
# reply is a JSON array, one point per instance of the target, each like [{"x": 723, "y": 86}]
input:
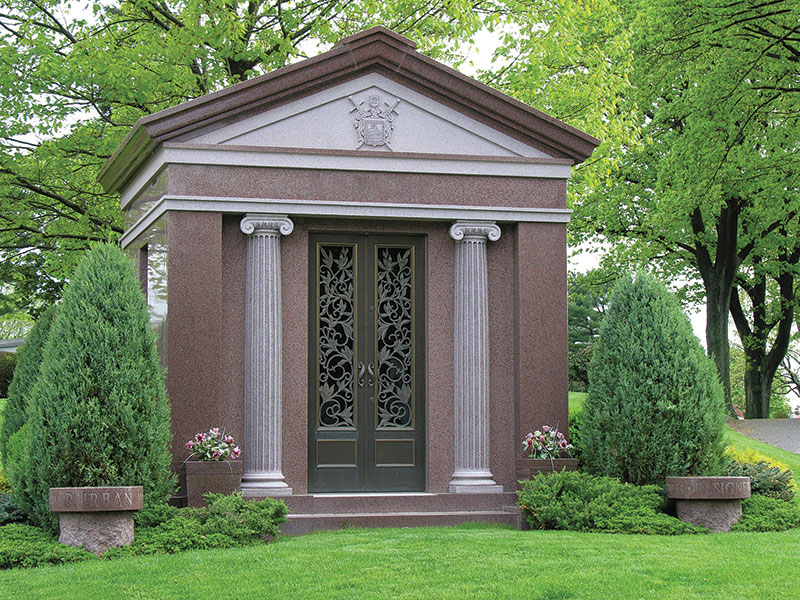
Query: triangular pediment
[
  {"x": 422, "y": 107},
  {"x": 372, "y": 114}
]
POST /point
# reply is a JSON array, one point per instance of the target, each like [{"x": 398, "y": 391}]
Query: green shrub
[
  {"x": 765, "y": 480},
  {"x": 150, "y": 516},
  {"x": 99, "y": 413},
  {"x": 26, "y": 546},
  {"x": 581, "y": 502},
  {"x": 16, "y": 451},
  {"x": 227, "y": 522},
  {"x": 761, "y": 513},
  {"x": 575, "y": 426},
  {"x": 8, "y": 360},
  {"x": 655, "y": 403},
  {"x": 9, "y": 510},
  {"x": 29, "y": 358},
  {"x": 243, "y": 520}
]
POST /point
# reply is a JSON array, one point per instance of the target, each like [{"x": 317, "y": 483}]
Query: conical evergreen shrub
[
  {"x": 29, "y": 358},
  {"x": 99, "y": 413},
  {"x": 655, "y": 404}
]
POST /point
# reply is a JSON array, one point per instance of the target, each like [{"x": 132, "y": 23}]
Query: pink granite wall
[
  {"x": 540, "y": 312},
  {"x": 196, "y": 329},
  {"x": 502, "y": 442}
]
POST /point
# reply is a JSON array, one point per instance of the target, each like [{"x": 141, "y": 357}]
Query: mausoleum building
[{"x": 356, "y": 265}]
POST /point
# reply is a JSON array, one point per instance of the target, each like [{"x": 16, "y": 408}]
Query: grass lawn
[
  {"x": 576, "y": 400},
  {"x": 461, "y": 562}
]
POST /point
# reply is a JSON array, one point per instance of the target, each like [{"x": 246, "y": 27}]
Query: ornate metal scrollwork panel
[
  {"x": 336, "y": 337},
  {"x": 394, "y": 337}
]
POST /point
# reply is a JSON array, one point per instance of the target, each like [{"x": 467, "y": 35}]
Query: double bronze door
[{"x": 366, "y": 379}]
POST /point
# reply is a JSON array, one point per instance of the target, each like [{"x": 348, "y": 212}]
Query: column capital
[
  {"x": 475, "y": 230},
  {"x": 266, "y": 224}
]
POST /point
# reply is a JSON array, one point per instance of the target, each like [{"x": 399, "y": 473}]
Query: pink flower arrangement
[
  {"x": 213, "y": 445},
  {"x": 549, "y": 443}
]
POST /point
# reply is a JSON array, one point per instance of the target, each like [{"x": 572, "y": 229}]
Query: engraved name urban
[
  {"x": 374, "y": 121},
  {"x": 98, "y": 499}
]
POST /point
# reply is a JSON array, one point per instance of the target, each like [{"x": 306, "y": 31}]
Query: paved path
[{"x": 783, "y": 433}]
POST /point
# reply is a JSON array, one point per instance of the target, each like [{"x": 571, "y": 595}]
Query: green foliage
[
  {"x": 227, "y": 522},
  {"x": 761, "y": 513},
  {"x": 765, "y": 480},
  {"x": 26, "y": 546},
  {"x": 8, "y": 360},
  {"x": 575, "y": 436},
  {"x": 587, "y": 297},
  {"x": 99, "y": 413},
  {"x": 75, "y": 83},
  {"x": 5, "y": 483},
  {"x": 579, "y": 362},
  {"x": 9, "y": 510},
  {"x": 779, "y": 407},
  {"x": 151, "y": 516},
  {"x": 29, "y": 358},
  {"x": 16, "y": 453},
  {"x": 14, "y": 324},
  {"x": 581, "y": 502},
  {"x": 655, "y": 404}
]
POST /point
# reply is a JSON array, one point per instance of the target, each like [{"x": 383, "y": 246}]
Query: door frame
[{"x": 360, "y": 470}]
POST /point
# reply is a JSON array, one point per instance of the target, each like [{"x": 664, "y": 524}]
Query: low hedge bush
[
  {"x": 768, "y": 477},
  {"x": 765, "y": 480},
  {"x": 227, "y": 522},
  {"x": 762, "y": 513},
  {"x": 582, "y": 502},
  {"x": 26, "y": 546}
]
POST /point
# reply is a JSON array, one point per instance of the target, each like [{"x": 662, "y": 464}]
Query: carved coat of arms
[{"x": 374, "y": 121}]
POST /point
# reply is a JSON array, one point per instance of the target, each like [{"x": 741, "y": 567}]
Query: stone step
[
  {"x": 396, "y": 503},
  {"x": 306, "y": 523}
]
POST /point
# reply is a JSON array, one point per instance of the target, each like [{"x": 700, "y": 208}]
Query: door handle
[{"x": 360, "y": 374}]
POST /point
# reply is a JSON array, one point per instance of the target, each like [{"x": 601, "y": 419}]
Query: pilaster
[
  {"x": 471, "y": 358},
  {"x": 262, "y": 452}
]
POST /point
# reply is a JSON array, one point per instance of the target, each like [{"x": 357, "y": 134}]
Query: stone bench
[
  {"x": 715, "y": 502},
  {"x": 96, "y": 518}
]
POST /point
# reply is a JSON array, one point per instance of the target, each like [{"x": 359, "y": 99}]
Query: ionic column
[
  {"x": 261, "y": 450},
  {"x": 471, "y": 354}
]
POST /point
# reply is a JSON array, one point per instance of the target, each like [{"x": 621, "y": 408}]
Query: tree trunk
[
  {"x": 717, "y": 319},
  {"x": 762, "y": 362},
  {"x": 758, "y": 388}
]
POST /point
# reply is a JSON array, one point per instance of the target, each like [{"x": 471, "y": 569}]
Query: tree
[
  {"x": 655, "y": 405},
  {"x": 29, "y": 358},
  {"x": 74, "y": 82},
  {"x": 764, "y": 323},
  {"x": 98, "y": 413},
  {"x": 779, "y": 407},
  {"x": 700, "y": 174},
  {"x": 587, "y": 297}
]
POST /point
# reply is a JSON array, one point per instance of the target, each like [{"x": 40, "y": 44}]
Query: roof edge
[{"x": 378, "y": 49}]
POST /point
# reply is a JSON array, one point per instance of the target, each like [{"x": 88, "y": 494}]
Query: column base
[
  {"x": 259, "y": 485},
  {"x": 479, "y": 482}
]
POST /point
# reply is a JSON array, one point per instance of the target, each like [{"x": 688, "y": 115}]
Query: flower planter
[
  {"x": 528, "y": 467},
  {"x": 715, "y": 502},
  {"x": 201, "y": 477},
  {"x": 96, "y": 518}
]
